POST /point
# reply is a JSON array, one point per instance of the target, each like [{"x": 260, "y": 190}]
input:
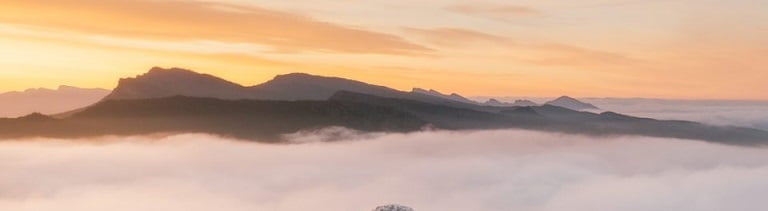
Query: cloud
[
  {"x": 502, "y": 12},
  {"x": 458, "y": 37},
  {"x": 533, "y": 52},
  {"x": 567, "y": 55},
  {"x": 483, "y": 170},
  {"x": 192, "y": 20}
]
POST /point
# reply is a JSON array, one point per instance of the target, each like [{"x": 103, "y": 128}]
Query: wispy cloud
[
  {"x": 568, "y": 55},
  {"x": 540, "y": 53},
  {"x": 457, "y": 37},
  {"x": 191, "y": 20},
  {"x": 502, "y": 12}
]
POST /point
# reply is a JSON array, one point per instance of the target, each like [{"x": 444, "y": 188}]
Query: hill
[{"x": 48, "y": 101}]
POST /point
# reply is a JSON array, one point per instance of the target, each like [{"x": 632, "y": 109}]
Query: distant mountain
[
  {"x": 453, "y": 96},
  {"x": 517, "y": 103},
  {"x": 524, "y": 103},
  {"x": 558, "y": 119},
  {"x": 48, "y": 101},
  {"x": 571, "y": 103}
]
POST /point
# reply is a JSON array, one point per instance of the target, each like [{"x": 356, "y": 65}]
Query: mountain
[
  {"x": 160, "y": 82},
  {"x": 571, "y": 103},
  {"x": 558, "y": 119},
  {"x": 168, "y": 101},
  {"x": 437, "y": 115},
  {"x": 435, "y": 93},
  {"x": 302, "y": 86},
  {"x": 48, "y": 101},
  {"x": 267, "y": 120},
  {"x": 524, "y": 103},
  {"x": 246, "y": 119},
  {"x": 517, "y": 103}
]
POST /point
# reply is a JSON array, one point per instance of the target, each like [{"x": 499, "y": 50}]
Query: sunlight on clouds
[
  {"x": 672, "y": 49},
  {"x": 184, "y": 46},
  {"x": 49, "y": 62},
  {"x": 202, "y": 21}
]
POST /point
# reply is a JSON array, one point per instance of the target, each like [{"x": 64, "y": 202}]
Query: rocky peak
[{"x": 571, "y": 103}]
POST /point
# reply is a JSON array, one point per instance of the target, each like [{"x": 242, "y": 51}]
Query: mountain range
[
  {"x": 571, "y": 103},
  {"x": 161, "y": 82},
  {"x": 175, "y": 100},
  {"x": 48, "y": 101}
]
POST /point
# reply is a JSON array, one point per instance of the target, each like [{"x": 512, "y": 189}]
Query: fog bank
[
  {"x": 752, "y": 114},
  {"x": 440, "y": 171}
]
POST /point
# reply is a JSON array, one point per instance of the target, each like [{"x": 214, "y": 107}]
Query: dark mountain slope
[
  {"x": 558, "y": 119},
  {"x": 438, "y": 115},
  {"x": 248, "y": 119},
  {"x": 267, "y": 120}
]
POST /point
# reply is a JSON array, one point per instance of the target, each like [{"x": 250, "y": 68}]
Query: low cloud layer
[
  {"x": 486, "y": 170},
  {"x": 739, "y": 113}
]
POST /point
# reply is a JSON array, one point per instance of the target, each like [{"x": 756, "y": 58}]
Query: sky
[{"x": 685, "y": 49}]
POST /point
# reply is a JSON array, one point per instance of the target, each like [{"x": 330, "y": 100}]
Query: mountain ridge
[
  {"x": 571, "y": 103},
  {"x": 161, "y": 82},
  {"x": 165, "y": 82},
  {"x": 268, "y": 120},
  {"x": 177, "y": 100},
  {"x": 48, "y": 101}
]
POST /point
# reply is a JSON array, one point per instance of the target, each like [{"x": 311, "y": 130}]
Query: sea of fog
[
  {"x": 498, "y": 170},
  {"x": 718, "y": 112},
  {"x": 752, "y": 114}
]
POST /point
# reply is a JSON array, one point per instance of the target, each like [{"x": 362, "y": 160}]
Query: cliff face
[{"x": 159, "y": 83}]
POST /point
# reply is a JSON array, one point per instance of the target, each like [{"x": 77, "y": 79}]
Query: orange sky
[{"x": 689, "y": 49}]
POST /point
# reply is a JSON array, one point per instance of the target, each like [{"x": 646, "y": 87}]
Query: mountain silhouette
[
  {"x": 302, "y": 86},
  {"x": 200, "y": 103},
  {"x": 453, "y": 96},
  {"x": 571, "y": 103},
  {"x": 48, "y": 101},
  {"x": 559, "y": 119},
  {"x": 160, "y": 82},
  {"x": 517, "y": 103},
  {"x": 268, "y": 120},
  {"x": 245, "y": 119}
]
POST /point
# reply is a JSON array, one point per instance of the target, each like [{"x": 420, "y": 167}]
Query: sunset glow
[{"x": 690, "y": 49}]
